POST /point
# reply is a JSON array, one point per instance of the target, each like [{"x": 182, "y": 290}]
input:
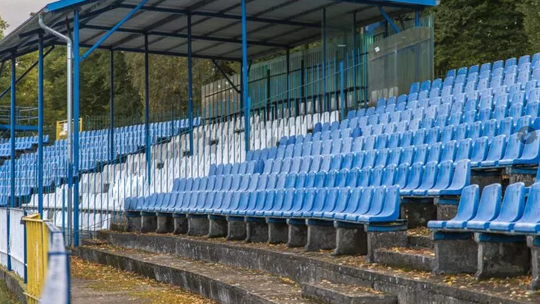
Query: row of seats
[
  {"x": 518, "y": 213},
  {"x": 364, "y": 205}
]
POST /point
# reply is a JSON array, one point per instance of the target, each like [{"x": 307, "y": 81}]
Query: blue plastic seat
[
  {"x": 358, "y": 144},
  {"x": 480, "y": 151},
  {"x": 408, "y": 154},
  {"x": 316, "y": 162},
  {"x": 305, "y": 165},
  {"x": 284, "y": 167},
  {"x": 461, "y": 132},
  {"x": 447, "y": 134},
  {"x": 531, "y": 150},
  {"x": 376, "y": 176},
  {"x": 433, "y": 136},
  {"x": 369, "y": 159},
  {"x": 460, "y": 179},
  {"x": 490, "y": 128},
  {"x": 428, "y": 179},
  {"x": 358, "y": 160},
  {"x": 420, "y": 155},
  {"x": 326, "y": 148},
  {"x": 467, "y": 209},
  {"x": 335, "y": 163},
  {"x": 353, "y": 177},
  {"x": 512, "y": 208},
  {"x": 394, "y": 140},
  {"x": 358, "y": 203},
  {"x": 435, "y": 152},
  {"x": 369, "y": 143},
  {"x": 530, "y": 222},
  {"x": 506, "y": 127},
  {"x": 419, "y": 137},
  {"x": 514, "y": 148},
  {"x": 394, "y": 157},
  {"x": 413, "y": 180},
  {"x": 389, "y": 175},
  {"x": 346, "y": 146},
  {"x": 495, "y": 152},
  {"x": 365, "y": 177},
  {"x": 449, "y": 151},
  {"x": 523, "y": 123},
  {"x": 347, "y": 161},
  {"x": 326, "y": 163},
  {"x": 443, "y": 179},
  {"x": 382, "y": 158},
  {"x": 309, "y": 181},
  {"x": 499, "y": 113},
  {"x": 406, "y": 138}
]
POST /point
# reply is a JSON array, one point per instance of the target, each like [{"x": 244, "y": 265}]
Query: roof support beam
[
  {"x": 226, "y": 76},
  {"x": 116, "y": 27},
  {"x": 388, "y": 19}
]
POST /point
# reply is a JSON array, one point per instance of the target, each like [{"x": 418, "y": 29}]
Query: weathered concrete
[
  {"x": 198, "y": 225},
  {"x": 180, "y": 224},
  {"x": 256, "y": 230},
  {"x": 418, "y": 212},
  {"x": 133, "y": 221},
  {"x": 533, "y": 244},
  {"x": 350, "y": 239},
  {"x": 165, "y": 223},
  {"x": 321, "y": 235},
  {"x": 378, "y": 240},
  {"x": 502, "y": 259},
  {"x": 148, "y": 222},
  {"x": 485, "y": 177},
  {"x": 404, "y": 260},
  {"x": 454, "y": 256},
  {"x": 236, "y": 230},
  {"x": 278, "y": 231},
  {"x": 419, "y": 241},
  {"x": 446, "y": 208},
  {"x": 331, "y": 293},
  {"x": 14, "y": 284},
  {"x": 527, "y": 179},
  {"x": 217, "y": 226},
  {"x": 297, "y": 233},
  {"x": 301, "y": 267}
]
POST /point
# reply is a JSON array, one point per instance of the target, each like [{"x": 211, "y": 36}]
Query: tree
[
  {"x": 469, "y": 32},
  {"x": 531, "y": 23}
]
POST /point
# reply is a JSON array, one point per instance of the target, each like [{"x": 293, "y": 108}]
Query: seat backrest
[
  {"x": 464, "y": 150},
  {"x": 468, "y": 203},
  {"x": 429, "y": 176},
  {"x": 369, "y": 159},
  {"x": 435, "y": 152},
  {"x": 420, "y": 154},
  {"x": 531, "y": 149},
  {"x": 394, "y": 157},
  {"x": 514, "y": 147},
  {"x": 444, "y": 175},
  {"x": 462, "y": 174},
  {"x": 330, "y": 180},
  {"x": 531, "y": 212},
  {"x": 376, "y": 176},
  {"x": 382, "y": 158},
  {"x": 377, "y": 201},
  {"x": 480, "y": 149},
  {"x": 497, "y": 148},
  {"x": 353, "y": 177},
  {"x": 506, "y": 127},
  {"x": 415, "y": 176},
  {"x": 326, "y": 163},
  {"x": 513, "y": 203}
]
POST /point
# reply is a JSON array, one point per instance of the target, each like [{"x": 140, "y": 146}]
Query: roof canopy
[{"x": 216, "y": 24}]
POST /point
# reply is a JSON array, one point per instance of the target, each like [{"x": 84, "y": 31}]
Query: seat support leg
[
  {"x": 351, "y": 239},
  {"x": 148, "y": 222},
  {"x": 236, "y": 229},
  {"x": 218, "y": 226},
  {"x": 278, "y": 231},
  {"x": 297, "y": 233},
  {"x": 197, "y": 225},
  {"x": 165, "y": 223},
  {"x": 180, "y": 224},
  {"x": 321, "y": 235},
  {"x": 256, "y": 230}
]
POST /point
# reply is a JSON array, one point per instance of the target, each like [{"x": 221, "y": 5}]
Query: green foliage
[
  {"x": 531, "y": 23},
  {"x": 469, "y": 32}
]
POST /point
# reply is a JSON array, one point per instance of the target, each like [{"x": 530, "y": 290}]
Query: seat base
[
  {"x": 418, "y": 211},
  {"x": 321, "y": 235},
  {"x": 165, "y": 223},
  {"x": 501, "y": 256},
  {"x": 236, "y": 229},
  {"x": 133, "y": 221},
  {"x": 148, "y": 222},
  {"x": 534, "y": 244},
  {"x": 455, "y": 252},
  {"x": 297, "y": 234},
  {"x": 217, "y": 227},
  {"x": 180, "y": 224},
  {"x": 384, "y": 239},
  {"x": 351, "y": 239},
  {"x": 198, "y": 225},
  {"x": 256, "y": 230},
  {"x": 278, "y": 231}
]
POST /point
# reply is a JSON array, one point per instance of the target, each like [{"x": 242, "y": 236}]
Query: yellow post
[{"x": 37, "y": 246}]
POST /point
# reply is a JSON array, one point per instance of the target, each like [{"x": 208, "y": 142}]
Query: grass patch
[{"x": 6, "y": 296}]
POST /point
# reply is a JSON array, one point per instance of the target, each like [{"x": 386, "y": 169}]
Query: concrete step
[
  {"x": 408, "y": 258},
  {"x": 419, "y": 241},
  {"x": 334, "y": 293},
  {"x": 221, "y": 283}
]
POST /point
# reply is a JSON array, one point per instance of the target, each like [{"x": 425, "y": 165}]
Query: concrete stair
[
  {"x": 417, "y": 255},
  {"x": 335, "y": 293}
]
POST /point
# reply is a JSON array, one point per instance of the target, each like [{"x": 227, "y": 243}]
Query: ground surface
[
  {"x": 6, "y": 297},
  {"x": 98, "y": 284}
]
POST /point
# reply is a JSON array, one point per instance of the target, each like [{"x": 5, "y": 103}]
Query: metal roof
[{"x": 216, "y": 24}]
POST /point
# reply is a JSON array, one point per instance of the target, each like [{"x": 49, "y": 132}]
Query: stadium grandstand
[{"x": 345, "y": 145}]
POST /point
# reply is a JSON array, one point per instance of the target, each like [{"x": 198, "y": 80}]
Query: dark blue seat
[
  {"x": 323, "y": 204},
  {"x": 511, "y": 209},
  {"x": 358, "y": 203},
  {"x": 376, "y": 206},
  {"x": 467, "y": 208}
]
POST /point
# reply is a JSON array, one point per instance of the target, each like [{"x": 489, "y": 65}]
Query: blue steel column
[
  {"x": 354, "y": 67},
  {"x": 245, "y": 84},
  {"x": 190, "y": 87},
  {"x": 12, "y": 152},
  {"x": 288, "y": 87},
  {"x": 324, "y": 103},
  {"x": 111, "y": 109},
  {"x": 76, "y": 94},
  {"x": 417, "y": 18},
  {"x": 147, "y": 109},
  {"x": 40, "y": 126}
]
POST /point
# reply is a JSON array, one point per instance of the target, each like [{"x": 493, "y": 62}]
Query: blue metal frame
[
  {"x": 417, "y": 18},
  {"x": 12, "y": 127},
  {"x": 40, "y": 125},
  {"x": 111, "y": 108},
  {"x": 76, "y": 98},
  {"x": 190, "y": 86},
  {"x": 389, "y": 20},
  {"x": 325, "y": 105},
  {"x": 147, "y": 110},
  {"x": 245, "y": 91}
]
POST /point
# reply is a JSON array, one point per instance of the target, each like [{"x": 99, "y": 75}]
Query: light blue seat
[
  {"x": 316, "y": 162},
  {"x": 309, "y": 181},
  {"x": 514, "y": 148},
  {"x": 299, "y": 183},
  {"x": 461, "y": 132},
  {"x": 358, "y": 160},
  {"x": 376, "y": 206},
  {"x": 419, "y": 137},
  {"x": 295, "y": 165},
  {"x": 326, "y": 148},
  {"x": 532, "y": 109},
  {"x": 490, "y": 128},
  {"x": 382, "y": 158},
  {"x": 420, "y": 154},
  {"x": 511, "y": 209},
  {"x": 285, "y": 166},
  {"x": 395, "y": 157},
  {"x": 447, "y": 134},
  {"x": 326, "y": 163},
  {"x": 347, "y": 161},
  {"x": 484, "y": 114},
  {"x": 434, "y": 154},
  {"x": 467, "y": 209},
  {"x": 406, "y": 138},
  {"x": 358, "y": 203},
  {"x": 292, "y": 199},
  {"x": 335, "y": 163},
  {"x": 428, "y": 179},
  {"x": 530, "y": 222},
  {"x": 444, "y": 178},
  {"x": 394, "y": 140},
  {"x": 506, "y": 127},
  {"x": 449, "y": 151},
  {"x": 358, "y": 144},
  {"x": 460, "y": 179},
  {"x": 353, "y": 177},
  {"x": 380, "y": 142},
  {"x": 480, "y": 151},
  {"x": 331, "y": 178},
  {"x": 408, "y": 154},
  {"x": 369, "y": 159},
  {"x": 376, "y": 176},
  {"x": 413, "y": 180},
  {"x": 495, "y": 152},
  {"x": 365, "y": 177},
  {"x": 464, "y": 150},
  {"x": 389, "y": 175},
  {"x": 346, "y": 146},
  {"x": 433, "y": 136},
  {"x": 341, "y": 178},
  {"x": 369, "y": 143},
  {"x": 523, "y": 123},
  {"x": 531, "y": 150},
  {"x": 306, "y": 164},
  {"x": 499, "y": 113}
]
